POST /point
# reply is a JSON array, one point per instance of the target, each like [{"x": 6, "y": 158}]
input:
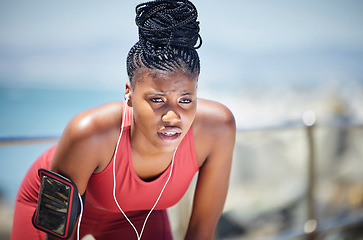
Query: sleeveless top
[{"x": 133, "y": 193}]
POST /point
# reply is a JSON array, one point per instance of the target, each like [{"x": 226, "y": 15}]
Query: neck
[
  {"x": 148, "y": 162},
  {"x": 142, "y": 148}
]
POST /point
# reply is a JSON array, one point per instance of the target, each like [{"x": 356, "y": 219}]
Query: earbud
[{"x": 127, "y": 97}]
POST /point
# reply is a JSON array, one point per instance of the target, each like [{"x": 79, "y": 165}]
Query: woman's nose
[{"x": 171, "y": 117}]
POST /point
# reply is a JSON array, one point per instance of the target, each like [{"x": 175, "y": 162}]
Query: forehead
[{"x": 164, "y": 80}]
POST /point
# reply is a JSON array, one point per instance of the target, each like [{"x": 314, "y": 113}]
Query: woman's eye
[
  {"x": 185, "y": 100},
  {"x": 156, "y": 100}
]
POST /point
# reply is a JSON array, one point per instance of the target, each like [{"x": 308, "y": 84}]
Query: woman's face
[{"x": 164, "y": 107}]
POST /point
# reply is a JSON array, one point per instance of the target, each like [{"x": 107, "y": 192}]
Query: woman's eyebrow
[
  {"x": 155, "y": 94},
  {"x": 162, "y": 94}
]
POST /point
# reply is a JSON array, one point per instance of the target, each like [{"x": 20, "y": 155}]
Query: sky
[
  {"x": 246, "y": 44},
  {"x": 249, "y": 46}
]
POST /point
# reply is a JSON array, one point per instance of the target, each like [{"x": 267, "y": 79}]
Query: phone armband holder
[{"x": 58, "y": 205}]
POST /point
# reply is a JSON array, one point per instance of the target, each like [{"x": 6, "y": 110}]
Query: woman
[{"x": 134, "y": 159}]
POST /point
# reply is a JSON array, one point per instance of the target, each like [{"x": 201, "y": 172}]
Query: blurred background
[{"x": 291, "y": 71}]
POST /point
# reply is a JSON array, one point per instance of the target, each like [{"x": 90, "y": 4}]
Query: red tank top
[{"x": 133, "y": 193}]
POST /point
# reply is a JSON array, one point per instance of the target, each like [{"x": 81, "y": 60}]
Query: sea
[
  {"x": 36, "y": 113},
  {"x": 29, "y": 113}
]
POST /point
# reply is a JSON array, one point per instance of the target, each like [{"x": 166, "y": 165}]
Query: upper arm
[
  {"x": 86, "y": 143},
  {"x": 218, "y": 139},
  {"x": 73, "y": 155}
]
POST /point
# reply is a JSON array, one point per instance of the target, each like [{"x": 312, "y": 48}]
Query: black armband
[{"x": 58, "y": 205}]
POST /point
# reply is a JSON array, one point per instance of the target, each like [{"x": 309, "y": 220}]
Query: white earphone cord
[
  {"x": 80, "y": 216},
  {"x": 114, "y": 183}
]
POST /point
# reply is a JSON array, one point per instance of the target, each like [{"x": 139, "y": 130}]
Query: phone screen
[{"x": 53, "y": 205}]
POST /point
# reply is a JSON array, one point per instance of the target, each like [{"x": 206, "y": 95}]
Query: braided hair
[{"x": 168, "y": 33}]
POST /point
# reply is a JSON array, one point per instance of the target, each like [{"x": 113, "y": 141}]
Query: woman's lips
[{"x": 169, "y": 134}]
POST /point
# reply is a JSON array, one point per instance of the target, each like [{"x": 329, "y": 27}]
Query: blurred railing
[
  {"x": 296, "y": 183},
  {"x": 6, "y": 141},
  {"x": 302, "y": 182}
]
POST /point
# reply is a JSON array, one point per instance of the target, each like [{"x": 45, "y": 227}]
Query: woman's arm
[
  {"x": 218, "y": 141},
  {"x": 86, "y": 145}
]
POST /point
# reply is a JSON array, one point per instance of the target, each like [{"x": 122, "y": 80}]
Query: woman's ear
[{"x": 128, "y": 94}]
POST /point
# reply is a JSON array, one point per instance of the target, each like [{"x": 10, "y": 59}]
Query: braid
[{"x": 168, "y": 33}]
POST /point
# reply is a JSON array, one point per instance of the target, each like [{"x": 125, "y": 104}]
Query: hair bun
[{"x": 168, "y": 23}]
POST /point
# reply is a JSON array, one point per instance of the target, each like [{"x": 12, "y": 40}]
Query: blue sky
[{"x": 83, "y": 44}]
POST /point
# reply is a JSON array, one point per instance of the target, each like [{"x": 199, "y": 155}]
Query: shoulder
[
  {"x": 90, "y": 137},
  {"x": 95, "y": 121},
  {"x": 87, "y": 143},
  {"x": 214, "y": 128},
  {"x": 211, "y": 114}
]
